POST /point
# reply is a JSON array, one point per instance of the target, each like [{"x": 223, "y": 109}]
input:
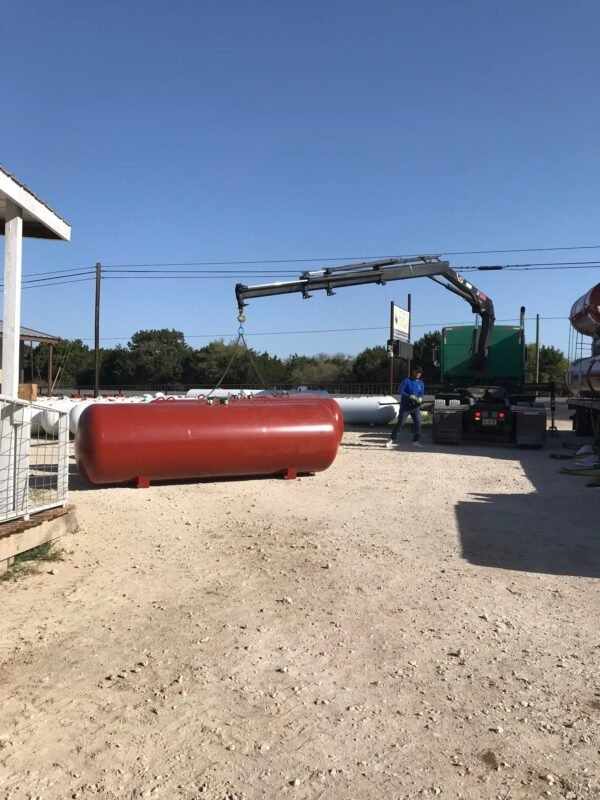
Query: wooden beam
[{"x": 25, "y": 535}]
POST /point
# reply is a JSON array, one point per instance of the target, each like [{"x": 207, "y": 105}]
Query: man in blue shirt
[{"x": 411, "y": 396}]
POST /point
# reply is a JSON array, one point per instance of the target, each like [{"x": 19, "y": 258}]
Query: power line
[
  {"x": 63, "y": 283},
  {"x": 225, "y": 272},
  {"x": 433, "y": 325},
  {"x": 520, "y": 250},
  {"x": 241, "y": 262},
  {"x": 231, "y": 275},
  {"x": 57, "y": 271},
  {"x": 184, "y": 277},
  {"x": 40, "y": 280},
  {"x": 51, "y": 281},
  {"x": 173, "y": 276},
  {"x": 62, "y": 277},
  {"x": 353, "y": 258},
  {"x": 60, "y": 280},
  {"x": 265, "y": 273},
  {"x": 533, "y": 267},
  {"x": 594, "y": 262}
]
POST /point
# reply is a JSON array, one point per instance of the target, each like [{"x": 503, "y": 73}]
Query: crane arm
[{"x": 380, "y": 272}]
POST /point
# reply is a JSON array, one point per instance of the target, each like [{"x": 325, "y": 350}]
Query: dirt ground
[{"x": 407, "y": 624}]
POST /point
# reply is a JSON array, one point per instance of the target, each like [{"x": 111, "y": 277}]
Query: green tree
[
  {"x": 271, "y": 368},
  {"x": 206, "y": 366},
  {"x": 116, "y": 367},
  {"x": 423, "y": 355},
  {"x": 72, "y": 363},
  {"x": 553, "y": 366},
  {"x": 319, "y": 370},
  {"x": 372, "y": 365},
  {"x": 158, "y": 356}
]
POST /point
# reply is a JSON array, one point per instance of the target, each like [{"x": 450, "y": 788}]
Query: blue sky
[{"x": 210, "y": 131}]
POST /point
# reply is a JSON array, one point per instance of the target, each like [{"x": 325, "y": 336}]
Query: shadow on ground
[{"x": 554, "y": 529}]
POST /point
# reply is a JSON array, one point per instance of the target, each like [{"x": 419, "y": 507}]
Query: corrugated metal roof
[
  {"x": 31, "y": 226},
  {"x": 31, "y": 335}
]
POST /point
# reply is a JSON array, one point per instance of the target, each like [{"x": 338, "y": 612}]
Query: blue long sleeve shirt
[{"x": 407, "y": 387}]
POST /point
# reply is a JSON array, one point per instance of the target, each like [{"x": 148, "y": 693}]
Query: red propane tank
[
  {"x": 327, "y": 401},
  {"x": 178, "y": 439},
  {"x": 307, "y": 396}
]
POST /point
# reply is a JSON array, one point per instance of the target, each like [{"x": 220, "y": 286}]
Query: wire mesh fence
[{"x": 34, "y": 465}]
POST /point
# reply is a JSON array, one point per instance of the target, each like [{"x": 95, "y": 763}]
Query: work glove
[{"x": 416, "y": 400}]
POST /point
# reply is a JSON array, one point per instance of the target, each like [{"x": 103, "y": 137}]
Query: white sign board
[{"x": 401, "y": 324}]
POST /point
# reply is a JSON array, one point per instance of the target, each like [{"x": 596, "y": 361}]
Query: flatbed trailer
[{"x": 586, "y": 416}]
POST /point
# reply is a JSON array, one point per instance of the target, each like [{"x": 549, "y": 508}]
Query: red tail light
[{"x": 501, "y": 415}]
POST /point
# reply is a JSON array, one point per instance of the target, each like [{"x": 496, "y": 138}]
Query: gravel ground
[{"x": 407, "y": 624}]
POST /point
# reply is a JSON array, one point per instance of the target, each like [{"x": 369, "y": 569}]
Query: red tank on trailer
[{"x": 179, "y": 439}]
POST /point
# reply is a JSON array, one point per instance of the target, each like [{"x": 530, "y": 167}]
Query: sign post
[
  {"x": 398, "y": 343},
  {"x": 391, "y": 348}
]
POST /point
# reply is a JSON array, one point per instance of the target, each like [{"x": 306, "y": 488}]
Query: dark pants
[{"x": 405, "y": 413}]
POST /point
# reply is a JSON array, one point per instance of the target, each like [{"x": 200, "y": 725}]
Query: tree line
[{"x": 163, "y": 359}]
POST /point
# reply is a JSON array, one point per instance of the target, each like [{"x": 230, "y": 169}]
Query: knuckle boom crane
[
  {"x": 380, "y": 272},
  {"x": 455, "y": 412}
]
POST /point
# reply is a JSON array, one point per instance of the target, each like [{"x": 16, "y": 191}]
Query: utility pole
[
  {"x": 537, "y": 348},
  {"x": 97, "y": 333}
]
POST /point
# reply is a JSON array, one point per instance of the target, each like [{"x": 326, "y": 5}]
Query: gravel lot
[{"x": 407, "y": 624}]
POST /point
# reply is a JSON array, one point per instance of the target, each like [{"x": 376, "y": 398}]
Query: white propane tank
[
  {"x": 75, "y": 412},
  {"x": 50, "y": 416},
  {"x": 368, "y": 410},
  {"x": 292, "y": 392},
  {"x": 192, "y": 394},
  {"x": 37, "y": 411}
]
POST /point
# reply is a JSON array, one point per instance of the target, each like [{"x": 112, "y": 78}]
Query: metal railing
[
  {"x": 130, "y": 389},
  {"x": 34, "y": 467}
]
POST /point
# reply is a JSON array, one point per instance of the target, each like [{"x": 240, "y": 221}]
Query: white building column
[{"x": 11, "y": 336}]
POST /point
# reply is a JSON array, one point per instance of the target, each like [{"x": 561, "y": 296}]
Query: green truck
[{"x": 493, "y": 404}]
